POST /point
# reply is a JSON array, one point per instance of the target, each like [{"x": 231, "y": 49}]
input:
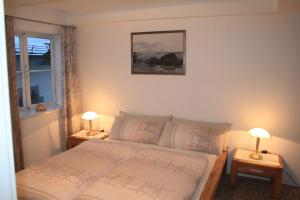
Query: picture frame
[{"x": 158, "y": 52}]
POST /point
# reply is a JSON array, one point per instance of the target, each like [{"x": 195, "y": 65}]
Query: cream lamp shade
[
  {"x": 258, "y": 133},
  {"x": 90, "y": 116}
]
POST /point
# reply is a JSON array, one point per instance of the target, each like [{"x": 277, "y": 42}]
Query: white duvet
[{"x": 114, "y": 170}]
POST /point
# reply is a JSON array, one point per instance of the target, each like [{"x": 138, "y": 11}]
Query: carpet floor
[{"x": 253, "y": 189}]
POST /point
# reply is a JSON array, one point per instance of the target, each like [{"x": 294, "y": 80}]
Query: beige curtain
[
  {"x": 72, "y": 109},
  {"x": 13, "y": 93}
]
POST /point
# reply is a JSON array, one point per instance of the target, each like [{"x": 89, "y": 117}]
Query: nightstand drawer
[{"x": 256, "y": 170}]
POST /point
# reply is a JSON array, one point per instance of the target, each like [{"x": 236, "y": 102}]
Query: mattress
[{"x": 68, "y": 175}]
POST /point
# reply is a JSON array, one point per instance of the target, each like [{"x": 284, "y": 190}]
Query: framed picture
[{"x": 159, "y": 52}]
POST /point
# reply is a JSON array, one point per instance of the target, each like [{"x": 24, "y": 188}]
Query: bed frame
[{"x": 212, "y": 183}]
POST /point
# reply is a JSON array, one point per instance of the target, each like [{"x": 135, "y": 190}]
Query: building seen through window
[{"x": 34, "y": 70}]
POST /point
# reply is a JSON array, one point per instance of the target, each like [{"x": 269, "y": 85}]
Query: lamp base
[
  {"x": 90, "y": 133},
  {"x": 256, "y": 156}
]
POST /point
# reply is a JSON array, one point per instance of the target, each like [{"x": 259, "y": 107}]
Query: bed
[{"x": 123, "y": 169}]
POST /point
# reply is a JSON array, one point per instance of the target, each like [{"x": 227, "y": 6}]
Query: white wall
[
  {"x": 41, "y": 136},
  {"x": 199, "y": 9},
  {"x": 239, "y": 69},
  {"x": 40, "y": 14}
]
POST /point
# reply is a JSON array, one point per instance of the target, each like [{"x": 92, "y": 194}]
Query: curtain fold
[
  {"x": 13, "y": 93},
  {"x": 72, "y": 108}
]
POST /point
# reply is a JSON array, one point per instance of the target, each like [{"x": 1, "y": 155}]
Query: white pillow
[
  {"x": 137, "y": 130},
  {"x": 193, "y": 135}
]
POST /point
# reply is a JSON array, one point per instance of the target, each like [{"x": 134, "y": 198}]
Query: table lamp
[
  {"x": 258, "y": 133},
  {"x": 90, "y": 116}
]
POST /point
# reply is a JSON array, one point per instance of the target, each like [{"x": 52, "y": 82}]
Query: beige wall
[
  {"x": 239, "y": 69},
  {"x": 40, "y": 136}
]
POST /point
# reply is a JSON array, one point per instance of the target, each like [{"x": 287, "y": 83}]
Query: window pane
[
  {"x": 39, "y": 53},
  {"x": 40, "y": 86},
  {"x": 39, "y": 56},
  {"x": 18, "y": 70}
]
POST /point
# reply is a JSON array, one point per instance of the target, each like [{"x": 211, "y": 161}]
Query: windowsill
[{"x": 32, "y": 112}]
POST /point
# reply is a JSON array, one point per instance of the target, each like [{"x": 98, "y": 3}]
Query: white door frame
[{"x": 7, "y": 169}]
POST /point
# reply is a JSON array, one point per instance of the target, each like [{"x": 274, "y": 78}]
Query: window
[{"x": 35, "y": 69}]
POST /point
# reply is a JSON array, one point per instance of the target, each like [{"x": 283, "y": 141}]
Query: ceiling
[{"x": 93, "y": 6}]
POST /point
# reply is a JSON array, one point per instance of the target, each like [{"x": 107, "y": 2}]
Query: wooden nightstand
[
  {"x": 271, "y": 166},
  {"x": 81, "y": 136}
]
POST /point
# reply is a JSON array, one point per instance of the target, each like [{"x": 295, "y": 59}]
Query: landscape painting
[{"x": 160, "y": 52}]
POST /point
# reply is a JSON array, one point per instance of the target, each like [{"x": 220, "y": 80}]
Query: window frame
[
  {"x": 21, "y": 69},
  {"x": 25, "y": 68}
]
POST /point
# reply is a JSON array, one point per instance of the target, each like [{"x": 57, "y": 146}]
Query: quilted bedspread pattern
[{"x": 104, "y": 170}]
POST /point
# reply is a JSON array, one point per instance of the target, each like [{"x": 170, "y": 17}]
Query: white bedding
[
  {"x": 210, "y": 157},
  {"x": 76, "y": 171},
  {"x": 65, "y": 176}
]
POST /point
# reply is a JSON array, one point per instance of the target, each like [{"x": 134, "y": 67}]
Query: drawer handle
[{"x": 255, "y": 170}]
